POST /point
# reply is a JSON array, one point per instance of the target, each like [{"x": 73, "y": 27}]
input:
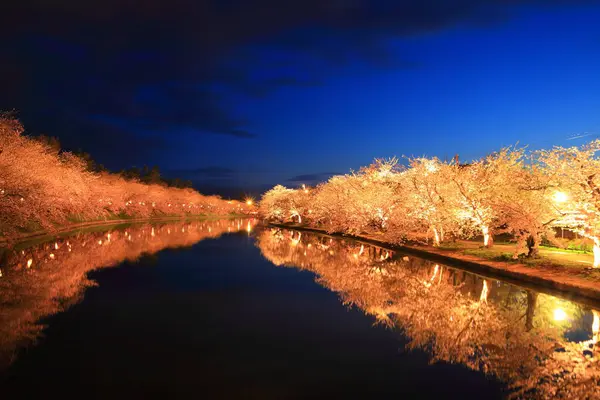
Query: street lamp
[
  {"x": 560, "y": 197},
  {"x": 560, "y": 314}
]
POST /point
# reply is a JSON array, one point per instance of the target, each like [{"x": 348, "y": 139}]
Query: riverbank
[
  {"x": 43, "y": 188},
  {"x": 43, "y": 235},
  {"x": 564, "y": 281}
]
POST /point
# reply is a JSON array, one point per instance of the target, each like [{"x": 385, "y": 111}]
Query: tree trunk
[
  {"x": 595, "y": 326},
  {"x": 596, "y": 252},
  {"x": 296, "y": 214},
  {"x": 436, "y": 237},
  {"x": 488, "y": 239},
  {"x": 531, "y": 304},
  {"x": 533, "y": 244},
  {"x": 521, "y": 242}
]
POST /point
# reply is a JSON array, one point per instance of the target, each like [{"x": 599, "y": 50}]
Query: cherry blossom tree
[
  {"x": 574, "y": 173},
  {"x": 430, "y": 198},
  {"x": 478, "y": 186},
  {"x": 42, "y": 187},
  {"x": 281, "y": 204}
]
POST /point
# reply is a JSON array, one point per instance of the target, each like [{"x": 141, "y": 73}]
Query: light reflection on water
[
  {"x": 44, "y": 279},
  {"x": 541, "y": 345}
]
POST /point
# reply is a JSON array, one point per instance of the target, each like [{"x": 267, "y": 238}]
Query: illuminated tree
[
  {"x": 430, "y": 200},
  {"x": 42, "y": 188},
  {"x": 358, "y": 202},
  {"x": 574, "y": 173},
  {"x": 281, "y": 204},
  {"x": 479, "y": 185},
  {"x": 521, "y": 202}
]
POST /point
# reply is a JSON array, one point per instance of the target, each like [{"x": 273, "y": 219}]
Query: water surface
[{"x": 225, "y": 309}]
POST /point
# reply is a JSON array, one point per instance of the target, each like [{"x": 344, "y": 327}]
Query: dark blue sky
[{"x": 253, "y": 93}]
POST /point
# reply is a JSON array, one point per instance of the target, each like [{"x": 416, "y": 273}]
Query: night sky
[{"x": 246, "y": 94}]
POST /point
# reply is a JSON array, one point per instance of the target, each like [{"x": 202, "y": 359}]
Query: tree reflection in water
[
  {"x": 44, "y": 279},
  {"x": 542, "y": 346}
]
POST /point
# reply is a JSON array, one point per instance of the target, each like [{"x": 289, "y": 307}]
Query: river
[{"x": 230, "y": 309}]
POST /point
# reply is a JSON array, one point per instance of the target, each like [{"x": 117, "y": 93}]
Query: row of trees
[
  {"x": 42, "y": 187},
  {"x": 525, "y": 194}
]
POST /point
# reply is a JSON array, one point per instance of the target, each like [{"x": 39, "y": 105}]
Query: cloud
[{"x": 313, "y": 178}]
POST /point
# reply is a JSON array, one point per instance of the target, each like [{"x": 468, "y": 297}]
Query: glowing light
[
  {"x": 560, "y": 197},
  {"x": 297, "y": 214},
  {"x": 560, "y": 314},
  {"x": 249, "y": 202},
  {"x": 431, "y": 167},
  {"x": 100, "y": 242},
  {"x": 51, "y": 256},
  {"x": 55, "y": 246},
  {"x": 29, "y": 262}
]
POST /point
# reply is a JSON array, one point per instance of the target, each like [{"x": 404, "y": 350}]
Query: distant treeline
[
  {"x": 145, "y": 174},
  {"x": 43, "y": 187}
]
